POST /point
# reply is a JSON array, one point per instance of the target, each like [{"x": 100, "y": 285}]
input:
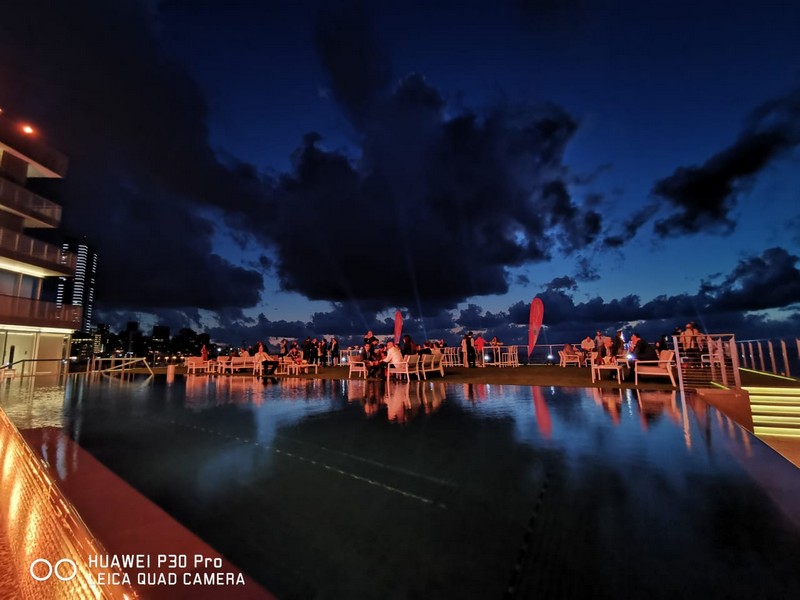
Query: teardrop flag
[
  {"x": 535, "y": 323},
  {"x": 398, "y": 326}
]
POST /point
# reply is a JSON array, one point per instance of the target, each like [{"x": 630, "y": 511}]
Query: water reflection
[
  {"x": 403, "y": 400},
  {"x": 297, "y": 466}
]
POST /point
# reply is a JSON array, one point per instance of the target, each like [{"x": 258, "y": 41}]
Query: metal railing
[
  {"x": 779, "y": 356},
  {"x": 25, "y": 362},
  {"x": 117, "y": 365},
  {"x": 705, "y": 361}
]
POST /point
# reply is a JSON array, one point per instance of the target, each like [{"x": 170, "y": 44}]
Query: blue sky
[{"x": 639, "y": 160}]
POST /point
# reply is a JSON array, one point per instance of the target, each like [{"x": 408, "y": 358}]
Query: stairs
[{"x": 776, "y": 411}]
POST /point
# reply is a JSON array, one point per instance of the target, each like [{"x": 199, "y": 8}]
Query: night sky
[{"x": 277, "y": 169}]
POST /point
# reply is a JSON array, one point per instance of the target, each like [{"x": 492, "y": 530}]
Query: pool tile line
[
  {"x": 372, "y": 462},
  {"x": 367, "y": 480},
  {"x": 514, "y": 581}
]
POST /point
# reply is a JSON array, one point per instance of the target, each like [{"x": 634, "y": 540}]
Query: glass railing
[
  {"x": 36, "y": 313},
  {"x": 19, "y": 199},
  {"x": 37, "y": 252}
]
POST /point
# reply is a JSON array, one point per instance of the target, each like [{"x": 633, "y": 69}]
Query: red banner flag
[
  {"x": 535, "y": 323},
  {"x": 398, "y": 326}
]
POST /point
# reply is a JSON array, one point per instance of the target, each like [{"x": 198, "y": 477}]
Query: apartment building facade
[{"x": 34, "y": 334}]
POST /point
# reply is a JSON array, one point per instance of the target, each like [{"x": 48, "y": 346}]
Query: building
[
  {"x": 79, "y": 290},
  {"x": 34, "y": 334}
]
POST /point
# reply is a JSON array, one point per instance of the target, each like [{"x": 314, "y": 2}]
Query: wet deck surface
[{"x": 323, "y": 489}]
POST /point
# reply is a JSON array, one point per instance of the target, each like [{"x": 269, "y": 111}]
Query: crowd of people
[
  {"x": 376, "y": 354},
  {"x": 610, "y": 349}
]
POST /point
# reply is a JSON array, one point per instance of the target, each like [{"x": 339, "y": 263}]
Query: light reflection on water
[
  {"x": 297, "y": 464},
  {"x": 594, "y": 424}
]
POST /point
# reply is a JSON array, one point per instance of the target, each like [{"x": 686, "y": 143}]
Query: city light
[{"x": 28, "y": 129}]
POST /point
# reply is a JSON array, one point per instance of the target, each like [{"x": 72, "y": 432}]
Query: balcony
[
  {"x": 34, "y": 210},
  {"x": 43, "y": 160},
  {"x": 35, "y": 313},
  {"x": 22, "y": 254}
]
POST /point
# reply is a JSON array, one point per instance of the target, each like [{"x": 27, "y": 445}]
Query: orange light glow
[{"x": 28, "y": 129}]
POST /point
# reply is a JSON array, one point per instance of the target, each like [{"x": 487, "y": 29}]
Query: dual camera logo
[{"x": 42, "y": 569}]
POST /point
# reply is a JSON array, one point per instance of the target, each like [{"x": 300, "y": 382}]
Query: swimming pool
[{"x": 361, "y": 489}]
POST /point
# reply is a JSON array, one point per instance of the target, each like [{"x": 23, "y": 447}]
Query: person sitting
[
  {"x": 587, "y": 345},
  {"x": 393, "y": 355},
  {"x": 571, "y": 353},
  {"x": 641, "y": 350},
  {"x": 408, "y": 346},
  {"x": 370, "y": 361},
  {"x": 569, "y": 350},
  {"x": 269, "y": 364},
  {"x": 607, "y": 354},
  {"x": 295, "y": 355}
]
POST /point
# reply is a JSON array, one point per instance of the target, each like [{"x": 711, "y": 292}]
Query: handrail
[
  {"x": 23, "y": 361},
  {"x": 116, "y": 368}
]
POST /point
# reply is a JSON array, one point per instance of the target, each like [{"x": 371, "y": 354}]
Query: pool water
[{"x": 362, "y": 489}]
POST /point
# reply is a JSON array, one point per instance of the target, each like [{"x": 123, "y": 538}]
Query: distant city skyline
[{"x": 272, "y": 170}]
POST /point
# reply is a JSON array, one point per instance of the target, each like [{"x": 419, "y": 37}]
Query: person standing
[
  {"x": 598, "y": 340},
  {"x": 479, "y": 345},
  {"x": 468, "y": 348},
  {"x": 334, "y": 351}
]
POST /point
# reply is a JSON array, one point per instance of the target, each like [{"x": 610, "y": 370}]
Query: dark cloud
[
  {"x": 768, "y": 281},
  {"x": 771, "y": 280},
  {"x": 134, "y": 126},
  {"x": 703, "y": 197},
  {"x": 436, "y": 209},
  {"x": 359, "y": 68},
  {"x": 734, "y": 304},
  {"x": 586, "y": 270},
  {"x": 562, "y": 283}
]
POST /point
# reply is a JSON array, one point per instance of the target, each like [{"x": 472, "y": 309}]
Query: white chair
[
  {"x": 661, "y": 367},
  {"x": 426, "y": 364},
  {"x": 221, "y": 364},
  {"x": 195, "y": 364},
  {"x": 413, "y": 365},
  {"x": 437, "y": 364},
  {"x": 398, "y": 369},
  {"x": 356, "y": 367},
  {"x": 568, "y": 359}
]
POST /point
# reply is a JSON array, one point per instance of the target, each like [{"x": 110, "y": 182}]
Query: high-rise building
[
  {"x": 34, "y": 334},
  {"x": 79, "y": 290}
]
